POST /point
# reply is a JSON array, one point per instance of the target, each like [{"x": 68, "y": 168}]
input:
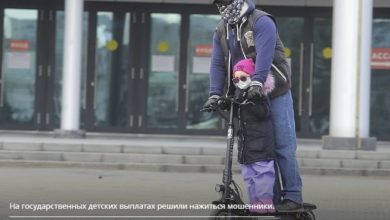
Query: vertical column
[
  {"x": 344, "y": 68},
  {"x": 71, "y": 91},
  {"x": 365, "y": 67},
  {"x": 350, "y": 84}
]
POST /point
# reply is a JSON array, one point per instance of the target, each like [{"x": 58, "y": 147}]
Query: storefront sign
[
  {"x": 201, "y": 65},
  {"x": 203, "y": 50},
  {"x": 19, "y": 45},
  {"x": 19, "y": 60},
  {"x": 380, "y": 59},
  {"x": 161, "y": 63}
]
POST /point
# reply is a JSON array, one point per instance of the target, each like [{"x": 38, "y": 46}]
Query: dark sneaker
[{"x": 289, "y": 206}]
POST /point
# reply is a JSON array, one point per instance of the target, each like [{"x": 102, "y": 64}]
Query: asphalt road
[{"x": 105, "y": 191}]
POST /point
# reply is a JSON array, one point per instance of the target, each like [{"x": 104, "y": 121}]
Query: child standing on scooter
[{"x": 255, "y": 139}]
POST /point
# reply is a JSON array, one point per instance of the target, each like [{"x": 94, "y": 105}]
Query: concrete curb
[
  {"x": 187, "y": 163},
  {"x": 161, "y": 148},
  {"x": 181, "y": 168}
]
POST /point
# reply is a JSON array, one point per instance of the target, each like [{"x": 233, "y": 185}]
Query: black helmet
[{"x": 222, "y": 2}]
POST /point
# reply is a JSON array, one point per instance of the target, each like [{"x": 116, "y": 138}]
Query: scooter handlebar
[
  {"x": 222, "y": 102},
  {"x": 224, "y": 105}
]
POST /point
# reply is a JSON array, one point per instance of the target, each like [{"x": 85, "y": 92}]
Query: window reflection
[
  {"x": 380, "y": 81},
  {"x": 319, "y": 120},
  {"x": 198, "y": 72},
  {"x": 111, "y": 78},
  {"x": 18, "y": 67},
  {"x": 162, "y": 103},
  {"x": 291, "y": 33}
]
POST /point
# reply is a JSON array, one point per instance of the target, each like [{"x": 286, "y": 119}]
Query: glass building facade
[{"x": 146, "y": 67}]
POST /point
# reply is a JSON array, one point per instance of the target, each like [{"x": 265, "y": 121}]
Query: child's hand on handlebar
[
  {"x": 216, "y": 102},
  {"x": 211, "y": 103},
  {"x": 224, "y": 104}
]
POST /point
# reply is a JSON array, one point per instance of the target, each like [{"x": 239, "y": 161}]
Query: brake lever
[
  {"x": 247, "y": 102},
  {"x": 207, "y": 110}
]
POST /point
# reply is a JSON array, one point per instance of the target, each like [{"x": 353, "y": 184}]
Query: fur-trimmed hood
[{"x": 269, "y": 84}]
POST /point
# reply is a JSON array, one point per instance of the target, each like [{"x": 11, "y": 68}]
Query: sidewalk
[{"x": 172, "y": 153}]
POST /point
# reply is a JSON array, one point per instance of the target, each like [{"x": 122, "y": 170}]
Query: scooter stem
[{"x": 227, "y": 173}]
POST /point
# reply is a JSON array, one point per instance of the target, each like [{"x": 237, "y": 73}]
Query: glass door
[
  {"x": 380, "y": 77},
  {"x": 110, "y": 83},
  {"x": 319, "y": 79},
  {"x": 176, "y": 72},
  {"x": 19, "y": 69},
  {"x": 133, "y": 76},
  {"x": 291, "y": 32},
  {"x": 31, "y": 64},
  {"x": 107, "y": 83},
  {"x": 198, "y": 72},
  {"x": 307, "y": 34},
  {"x": 163, "y": 76}
]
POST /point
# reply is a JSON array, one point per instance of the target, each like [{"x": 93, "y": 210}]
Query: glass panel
[
  {"x": 380, "y": 81},
  {"x": 319, "y": 120},
  {"x": 59, "y": 56},
  {"x": 291, "y": 33},
  {"x": 199, "y": 56},
  {"x": 19, "y": 65},
  {"x": 164, "y": 68},
  {"x": 111, "y": 71}
]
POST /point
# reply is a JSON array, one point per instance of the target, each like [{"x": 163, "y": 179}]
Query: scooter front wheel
[{"x": 218, "y": 214}]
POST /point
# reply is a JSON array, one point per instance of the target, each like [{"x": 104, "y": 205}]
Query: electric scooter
[{"x": 230, "y": 205}]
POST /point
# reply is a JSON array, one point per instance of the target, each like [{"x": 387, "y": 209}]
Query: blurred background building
[{"x": 145, "y": 65}]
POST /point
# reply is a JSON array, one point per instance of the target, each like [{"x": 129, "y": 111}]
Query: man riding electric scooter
[{"x": 245, "y": 32}]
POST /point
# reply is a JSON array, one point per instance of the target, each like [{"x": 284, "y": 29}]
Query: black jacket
[{"x": 256, "y": 140}]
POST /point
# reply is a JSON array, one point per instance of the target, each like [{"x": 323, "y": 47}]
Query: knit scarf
[{"x": 231, "y": 13}]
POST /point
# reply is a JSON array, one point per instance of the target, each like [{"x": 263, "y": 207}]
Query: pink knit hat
[{"x": 247, "y": 66}]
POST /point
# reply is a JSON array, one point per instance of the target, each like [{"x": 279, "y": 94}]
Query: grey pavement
[{"x": 337, "y": 197}]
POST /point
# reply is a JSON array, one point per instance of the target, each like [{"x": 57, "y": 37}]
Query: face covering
[
  {"x": 231, "y": 13},
  {"x": 244, "y": 84}
]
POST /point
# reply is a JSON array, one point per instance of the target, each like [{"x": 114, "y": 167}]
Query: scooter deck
[
  {"x": 265, "y": 218},
  {"x": 275, "y": 217},
  {"x": 307, "y": 207}
]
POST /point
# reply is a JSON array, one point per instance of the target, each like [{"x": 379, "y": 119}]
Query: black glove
[
  {"x": 255, "y": 93},
  {"x": 224, "y": 104},
  {"x": 211, "y": 103},
  {"x": 242, "y": 96}
]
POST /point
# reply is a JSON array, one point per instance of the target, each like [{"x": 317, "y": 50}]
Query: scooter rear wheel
[{"x": 307, "y": 215}]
